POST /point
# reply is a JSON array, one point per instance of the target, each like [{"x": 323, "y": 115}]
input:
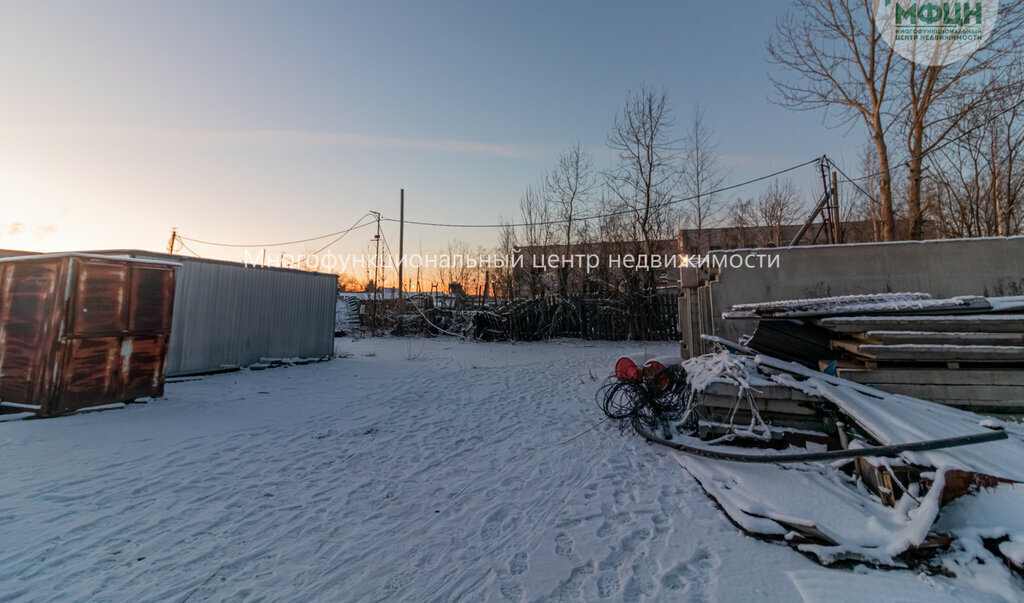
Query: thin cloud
[
  {"x": 38, "y": 231},
  {"x": 292, "y": 139}
]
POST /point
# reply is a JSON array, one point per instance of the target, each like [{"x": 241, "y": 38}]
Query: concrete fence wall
[{"x": 944, "y": 268}]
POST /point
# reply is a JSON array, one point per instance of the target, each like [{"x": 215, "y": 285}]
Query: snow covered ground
[{"x": 412, "y": 469}]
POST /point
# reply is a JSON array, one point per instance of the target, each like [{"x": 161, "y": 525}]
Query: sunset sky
[{"x": 258, "y": 122}]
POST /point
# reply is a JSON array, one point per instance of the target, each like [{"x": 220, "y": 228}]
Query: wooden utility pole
[
  {"x": 174, "y": 239},
  {"x": 376, "y": 256},
  {"x": 401, "y": 248},
  {"x": 487, "y": 285},
  {"x": 837, "y": 232}
]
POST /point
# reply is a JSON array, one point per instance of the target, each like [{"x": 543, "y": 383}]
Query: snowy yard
[{"x": 413, "y": 469}]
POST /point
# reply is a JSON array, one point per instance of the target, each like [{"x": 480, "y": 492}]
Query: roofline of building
[
  {"x": 133, "y": 253},
  {"x": 92, "y": 256}
]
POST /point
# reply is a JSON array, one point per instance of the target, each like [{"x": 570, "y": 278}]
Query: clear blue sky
[{"x": 254, "y": 122}]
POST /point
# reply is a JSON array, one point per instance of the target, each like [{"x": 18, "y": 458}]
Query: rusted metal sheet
[{"x": 80, "y": 330}]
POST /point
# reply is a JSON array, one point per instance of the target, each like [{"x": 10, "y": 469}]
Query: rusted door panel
[
  {"x": 91, "y": 373},
  {"x": 28, "y": 321},
  {"x": 98, "y": 304},
  {"x": 152, "y": 299},
  {"x": 142, "y": 365},
  {"x": 78, "y": 331}
]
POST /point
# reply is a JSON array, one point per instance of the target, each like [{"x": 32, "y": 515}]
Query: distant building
[{"x": 693, "y": 241}]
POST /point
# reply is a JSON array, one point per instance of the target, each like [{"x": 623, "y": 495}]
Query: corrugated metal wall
[{"x": 227, "y": 314}]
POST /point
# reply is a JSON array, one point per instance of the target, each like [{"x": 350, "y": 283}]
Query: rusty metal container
[{"x": 80, "y": 330}]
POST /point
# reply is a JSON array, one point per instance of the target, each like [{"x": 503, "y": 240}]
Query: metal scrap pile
[{"x": 840, "y": 470}]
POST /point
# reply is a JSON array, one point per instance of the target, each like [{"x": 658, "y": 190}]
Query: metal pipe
[{"x": 831, "y": 455}]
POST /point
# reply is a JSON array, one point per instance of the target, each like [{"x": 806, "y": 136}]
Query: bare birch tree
[
  {"x": 778, "y": 206},
  {"x": 839, "y": 62},
  {"x": 964, "y": 88},
  {"x": 702, "y": 174},
  {"x": 569, "y": 188},
  {"x": 645, "y": 179},
  {"x": 536, "y": 237},
  {"x": 976, "y": 180},
  {"x": 504, "y": 276}
]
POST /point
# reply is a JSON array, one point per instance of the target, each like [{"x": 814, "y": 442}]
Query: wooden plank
[
  {"x": 764, "y": 405},
  {"x": 941, "y": 338},
  {"x": 936, "y": 376},
  {"x": 943, "y": 353},
  {"x": 975, "y": 323},
  {"x": 777, "y": 392},
  {"x": 743, "y": 418},
  {"x": 852, "y": 347}
]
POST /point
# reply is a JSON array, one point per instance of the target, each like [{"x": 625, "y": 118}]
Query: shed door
[
  {"x": 152, "y": 299},
  {"x": 98, "y": 304},
  {"x": 91, "y": 373},
  {"x": 29, "y": 320}
]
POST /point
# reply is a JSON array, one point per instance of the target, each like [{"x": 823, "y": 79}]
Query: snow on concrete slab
[
  {"x": 822, "y": 586},
  {"x": 896, "y": 418}
]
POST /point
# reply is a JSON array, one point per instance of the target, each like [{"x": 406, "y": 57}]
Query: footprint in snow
[
  {"x": 518, "y": 565},
  {"x": 564, "y": 545},
  {"x": 608, "y": 584},
  {"x": 692, "y": 577}
]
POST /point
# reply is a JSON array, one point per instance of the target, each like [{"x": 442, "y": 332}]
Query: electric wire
[
  {"x": 614, "y": 213},
  {"x": 340, "y": 237},
  {"x": 184, "y": 246},
  {"x": 340, "y": 232}
]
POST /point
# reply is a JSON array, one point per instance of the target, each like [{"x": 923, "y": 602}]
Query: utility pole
[
  {"x": 826, "y": 210},
  {"x": 401, "y": 249},
  {"x": 837, "y": 235},
  {"x": 376, "y": 264},
  {"x": 174, "y": 238}
]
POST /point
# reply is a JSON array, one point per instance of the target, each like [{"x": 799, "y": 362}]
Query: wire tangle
[{"x": 650, "y": 402}]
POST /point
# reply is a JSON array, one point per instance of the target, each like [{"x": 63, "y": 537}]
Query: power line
[
  {"x": 187, "y": 247},
  {"x": 855, "y": 185},
  {"x": 340, "y": 232},
  {"x": 615, "y": 213},
  {"x": 340, "y": 237}
]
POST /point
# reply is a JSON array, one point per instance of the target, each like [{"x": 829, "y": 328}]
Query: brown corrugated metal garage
[{"x": 80, "y": 330}]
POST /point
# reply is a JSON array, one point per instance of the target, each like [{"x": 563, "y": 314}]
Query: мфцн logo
[{"x": 935, "y": 33}]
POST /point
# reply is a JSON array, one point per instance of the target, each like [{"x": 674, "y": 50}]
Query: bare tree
[
  {"x": 702, "y": 174},
  {"x": 569, "y": 188},
  {"x": 536, "y": 237},
  {"x": 453, "y": 272},
  {"x": 645, "y": 179},
  {"x": 983, "y": 79},
  {"x": 778, "y": 206},
  {"x": 841, "y": 64},
  {"x": 504, "y": 275},
  {"x": 976, "y": 180},
  {"x": 742, "y": 220}
]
